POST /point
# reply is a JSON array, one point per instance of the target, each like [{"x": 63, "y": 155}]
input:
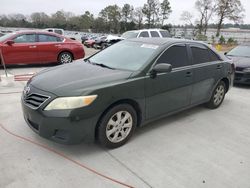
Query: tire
[
  {"x": 65, "y": 57},
  {"x": 103, "y": 46},
  {"x": 113, "y": 131},
  {"x": 217, "y": 96}
]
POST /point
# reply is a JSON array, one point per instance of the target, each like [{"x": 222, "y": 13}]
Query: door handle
[
  {"x": 32, "y": 46},
  {"x": 219, "y": 67},
  {"x": 189, "y": 74},
  {"x": 58, "y": 45}
]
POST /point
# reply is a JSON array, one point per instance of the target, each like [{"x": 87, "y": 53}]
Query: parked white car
[
  {"x": 55, "y": 30},
  {"x": 146, "y": 33}
]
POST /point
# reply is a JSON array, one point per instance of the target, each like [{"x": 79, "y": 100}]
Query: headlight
[
  {"x": 247, "y": 70},
  {"x": 65, "y": 103}
]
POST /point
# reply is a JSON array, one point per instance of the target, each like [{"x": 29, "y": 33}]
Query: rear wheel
[
  {"x": 117, "y": 126},
  {"x": 217, "y": 96},
  {"x": 103, "y": 46},
  {"x": 65, "y": 57}
]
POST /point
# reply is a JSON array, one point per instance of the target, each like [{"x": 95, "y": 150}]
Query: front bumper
[
  {"x": 242, "y": 77},
  {"x": 67, "y": 127}
]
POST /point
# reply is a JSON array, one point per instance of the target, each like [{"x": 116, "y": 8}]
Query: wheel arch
[
  {"x": 227, "y": 83},
  {"x": 130, "y": 102},
  {"x": 68, "y": 51}
]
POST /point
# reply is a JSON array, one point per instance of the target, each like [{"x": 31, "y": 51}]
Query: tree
[
  {"x": 126, "y": 12},
  {"x": 58, "y": 20},
  {"x": 151, "y": 11},
  {"x": 187, "y": 17},
  {"x": 228, "y": 9},
  {"x": 138, "y": 17},
  {"x": 165, "y": 11},
  {"x": 205, "y": 9},
  {"x": 112, "y": 15},
  {"x": 39, "y": 19},
  {"x": 100, "y": 25},
  {"x": 222, "y": 40},
  {"x": 87, "y": 20},
  {"x": 17, "y": 20}
]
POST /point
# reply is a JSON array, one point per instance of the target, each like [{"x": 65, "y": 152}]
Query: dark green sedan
[{"x": 123, "y": 87}]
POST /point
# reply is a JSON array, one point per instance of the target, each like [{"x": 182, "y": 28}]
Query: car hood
[
  {"x": 242, "y": 62},
  {"x": 76, "y": 78}
]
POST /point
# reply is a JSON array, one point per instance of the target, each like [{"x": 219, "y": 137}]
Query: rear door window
[
  {"x": 144, "y": 34},
  {"x": 213, "y": 56},
  {"x": 25, "y": 38},
  {"x": 201, "y": 54},
  {"x": 176, "y": 56},
  {"x": 58, "y": 31},
  {"x": 165, "y": 34},
  {"x": 48, "y": 38},
  {"x": 154, "y": 34}
]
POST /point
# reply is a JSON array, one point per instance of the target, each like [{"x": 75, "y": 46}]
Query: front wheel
[
  {"x": 65, "y": 57},
  {"x": 217, "y": 96},
  {"x": 117, "y": 126}
]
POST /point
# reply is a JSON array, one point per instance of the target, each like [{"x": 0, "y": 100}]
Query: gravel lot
[{"x": 196, "y": 148}]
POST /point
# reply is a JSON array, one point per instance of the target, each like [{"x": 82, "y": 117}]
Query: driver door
[
  {"x": 169, "y": 92},
  {"x": 23, "y": 51}
]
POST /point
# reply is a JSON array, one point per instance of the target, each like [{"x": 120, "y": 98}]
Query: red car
[
  {"x": 38, "y": 47},
  {"x": 90, "y": 43}
]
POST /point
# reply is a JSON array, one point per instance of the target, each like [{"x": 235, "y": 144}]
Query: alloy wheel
[
  {"x": 66, "y": 58},
  {"x": 219, "y": 94},
  {"x": 119, "y": 126}
]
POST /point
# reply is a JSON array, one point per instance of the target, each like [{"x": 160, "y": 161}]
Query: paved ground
[{"x": 196, "y": 148}]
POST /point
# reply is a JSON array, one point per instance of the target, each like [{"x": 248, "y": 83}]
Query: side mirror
[
  {"x": 161, "y": 68},
  {"x": 9, "y": 42},
  {"x": 225, "y": 53}
]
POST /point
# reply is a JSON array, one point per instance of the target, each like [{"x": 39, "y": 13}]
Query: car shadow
[
  {"x": 89, "y": 149},
  {"x": 170, "y": 120},
  {"x": 245, "y": 86},
  {"x": 30, "y": 66}
]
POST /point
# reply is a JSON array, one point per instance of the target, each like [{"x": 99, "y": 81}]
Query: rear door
[
  {"x": 23, "y": 51},
  {"x": 144, "y": 34},
  {"x": 168, "y": 92},
  {"x": 207, "y": 69},
  {"x": 154, "y": 34},
  {"x": 49, "y": 47}
]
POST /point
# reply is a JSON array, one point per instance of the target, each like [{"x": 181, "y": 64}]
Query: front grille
[{"x": 35, "y": 100}]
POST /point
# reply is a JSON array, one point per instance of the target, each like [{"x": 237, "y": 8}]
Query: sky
[{"x": 26, "y": 7}]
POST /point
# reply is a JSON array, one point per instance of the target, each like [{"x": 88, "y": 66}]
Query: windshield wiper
[
  {"x": 102, "y": 65},
  {"x": 88, "y": 61},
  {"x": 99, "y": 64}
]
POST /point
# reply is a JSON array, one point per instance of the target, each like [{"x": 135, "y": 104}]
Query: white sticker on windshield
[{"x": 149, "y": 46}]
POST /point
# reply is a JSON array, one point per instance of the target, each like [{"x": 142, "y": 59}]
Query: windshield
[
  {"x": 3, "y": 38},
  {"x": 125, "y": 55},
  {"x": 241, "y": 51},
  {"x": 129, "y": 35}
]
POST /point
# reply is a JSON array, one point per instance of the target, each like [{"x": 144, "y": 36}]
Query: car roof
[
  {"x": 36, "y": 31},
  {"x": 154, "y": 29},
  {"x": 163, "y": 41},
  {"x": 54, "y": 29}
]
